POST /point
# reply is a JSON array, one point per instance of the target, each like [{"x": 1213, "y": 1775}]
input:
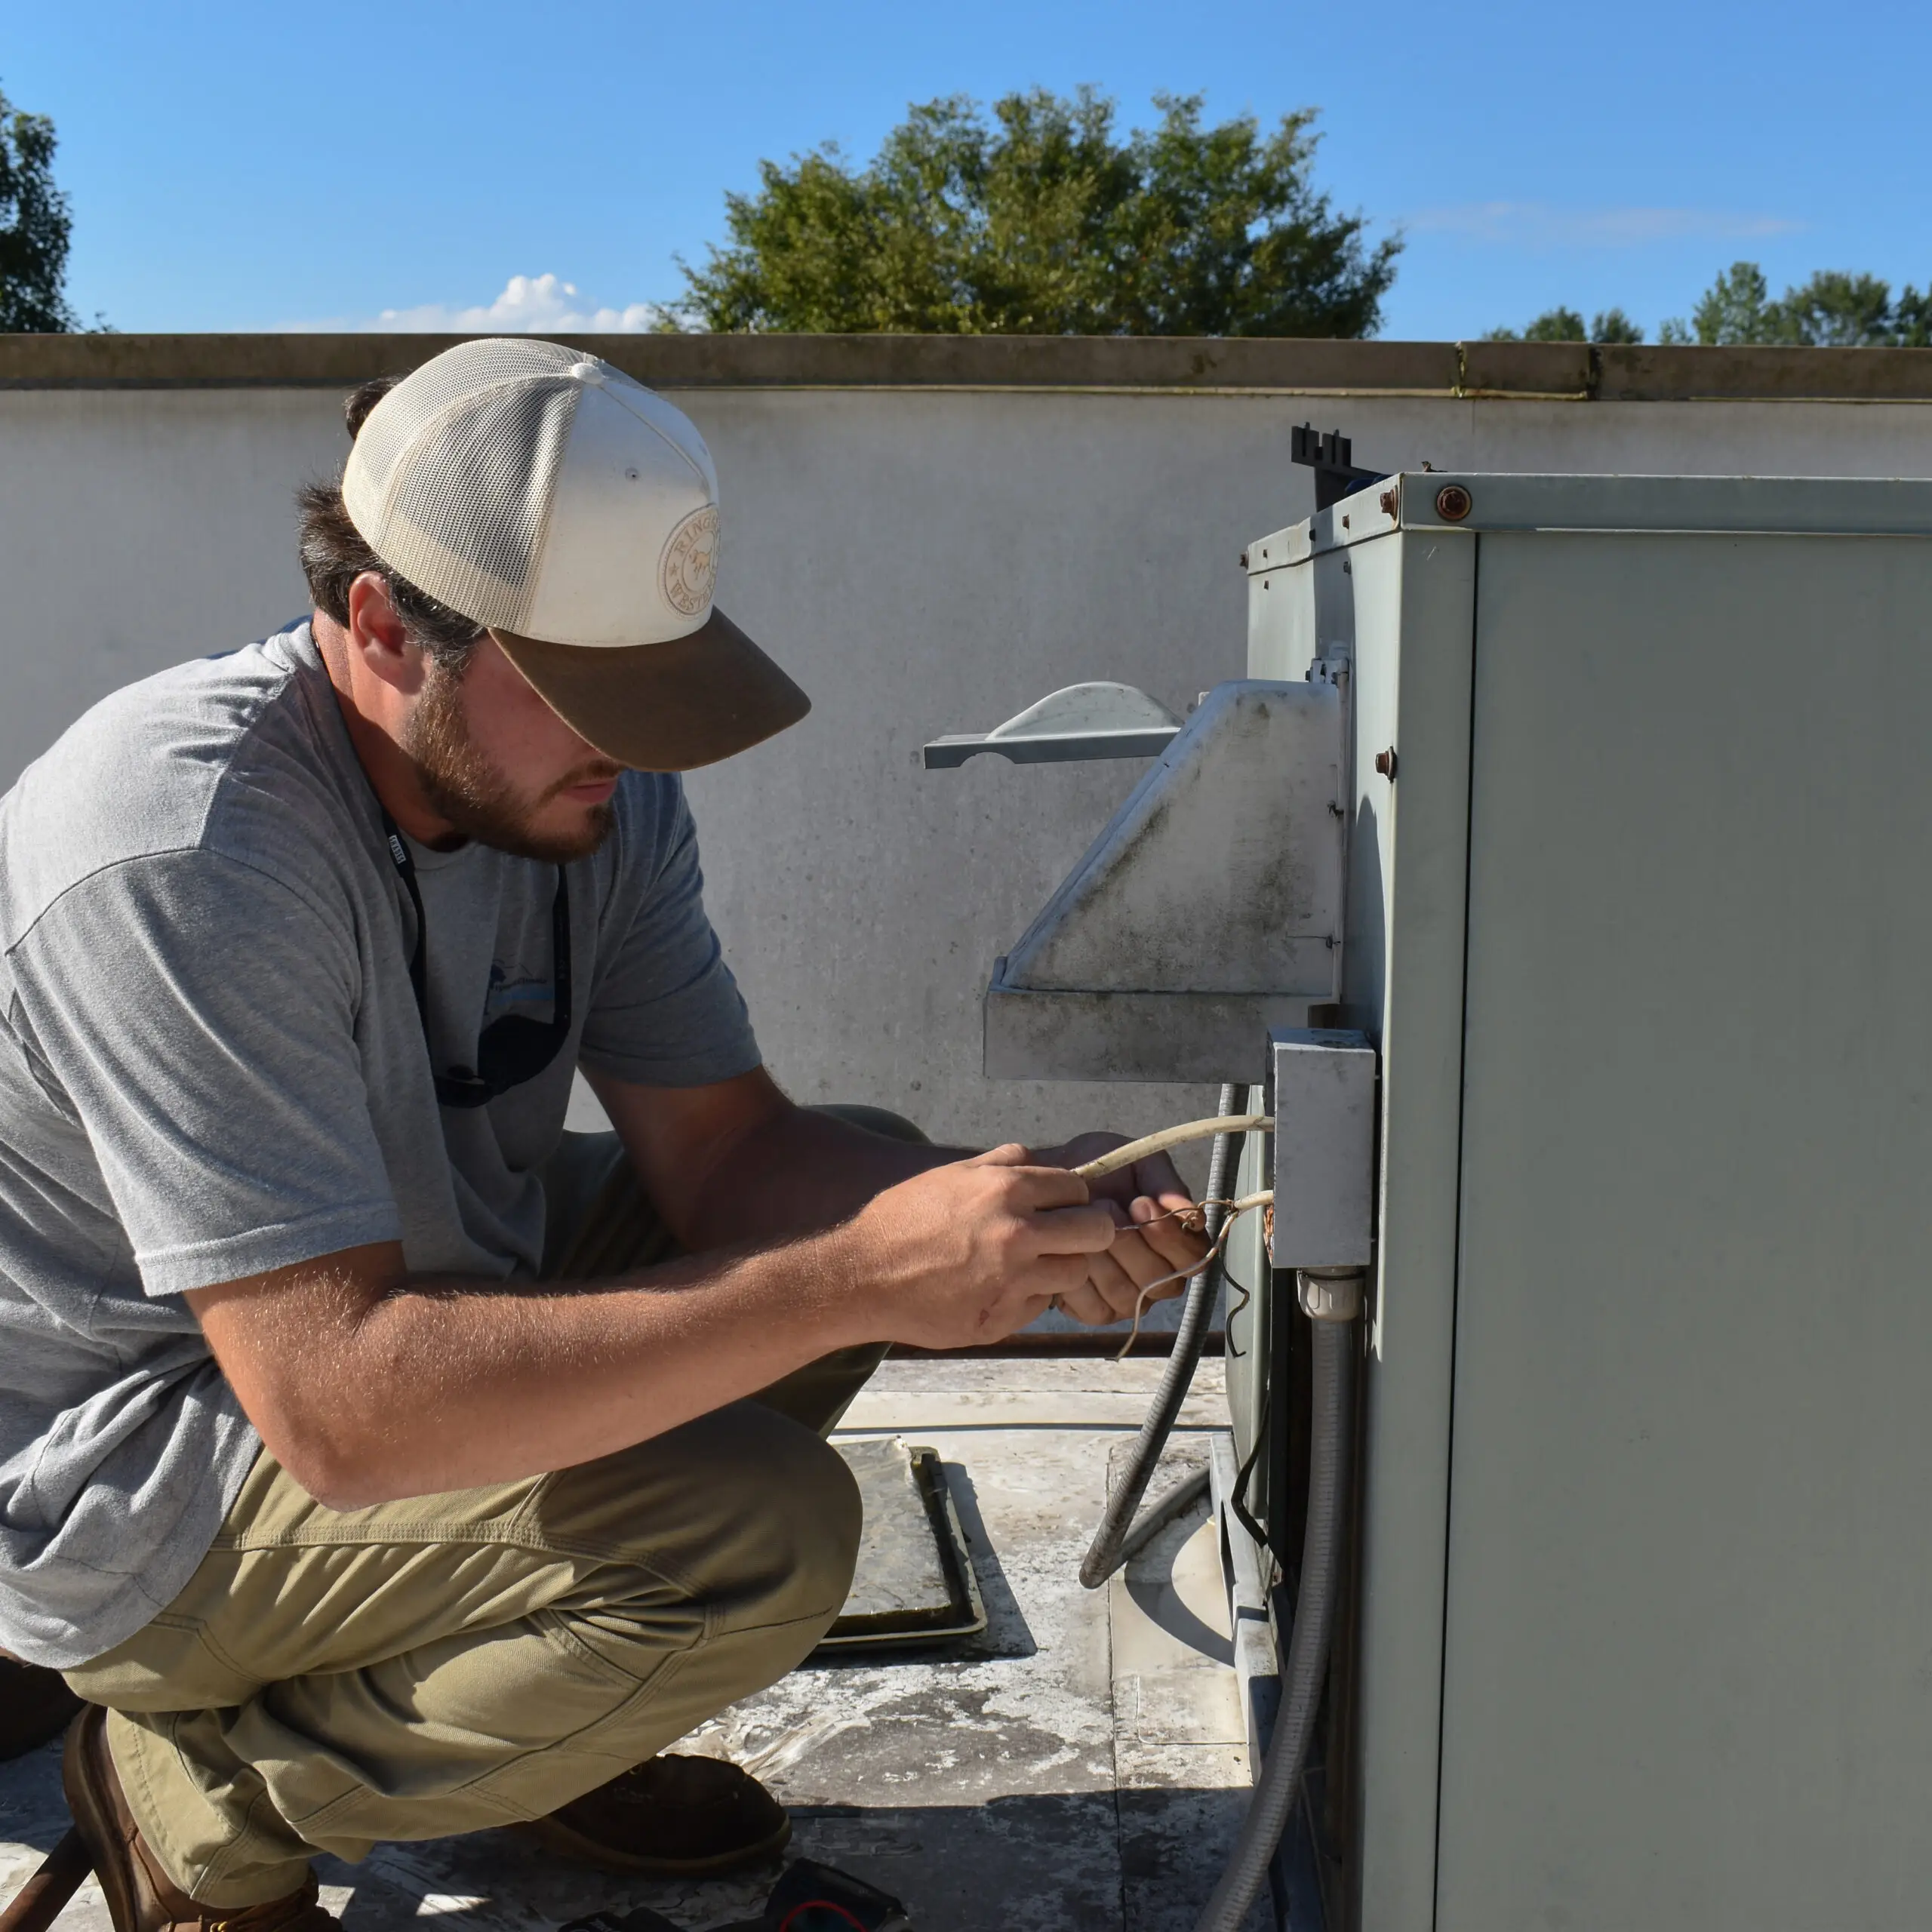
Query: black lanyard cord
[{"x": 510, "y": 1051}]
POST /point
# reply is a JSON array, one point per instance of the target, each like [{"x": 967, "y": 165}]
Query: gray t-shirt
[{"x": 211, "y": 1063}]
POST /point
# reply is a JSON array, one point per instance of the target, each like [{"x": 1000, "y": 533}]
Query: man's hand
[
  {"x": 739, "y": 1162},
  {"x": 964, "y": 1254},
  {"x": 1156, "y": 1221},
  {"x": 369, "y": 1383}
]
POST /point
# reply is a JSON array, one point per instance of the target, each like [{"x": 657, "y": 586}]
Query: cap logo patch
[{"x": 690, "y": 567}]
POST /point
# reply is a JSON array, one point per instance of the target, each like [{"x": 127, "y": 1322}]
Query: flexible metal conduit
[
  {"x": 1119, "y": 1537},
  {"x": 1333, "y": 1300}
]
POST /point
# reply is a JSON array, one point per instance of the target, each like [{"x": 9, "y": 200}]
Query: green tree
[
  {"x": 34, "y": 226},
  {"x": 1566, "y": 325},
  {"x": 1736, "y": 308},
  {"x": 1911, "y": 317},
  {"x": 1835, "y": 309},
  {"x": 1612, "y": 325},
  {"x": 1043, "y": 222},
  {"x": 1839, "y": 311}
]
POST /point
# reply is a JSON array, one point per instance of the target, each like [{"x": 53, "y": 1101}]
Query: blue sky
[{"x": 272, "y": 166}]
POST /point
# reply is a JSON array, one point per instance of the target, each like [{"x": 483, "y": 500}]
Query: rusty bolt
[
  {"x": 1387, "y": 500},
  {"x": 1385, "y": 763},
  {"x": 1453, "y": 502}
]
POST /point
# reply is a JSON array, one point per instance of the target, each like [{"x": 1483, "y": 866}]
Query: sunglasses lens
[{"x": 514, "y": 1050}]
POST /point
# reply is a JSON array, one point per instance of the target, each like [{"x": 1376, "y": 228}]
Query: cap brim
[{"x": 664, "y": 707}]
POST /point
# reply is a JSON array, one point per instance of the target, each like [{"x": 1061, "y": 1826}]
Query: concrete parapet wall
[
  {"x": 1571, "y": 370},
  {"x": 930, "y": 533}
]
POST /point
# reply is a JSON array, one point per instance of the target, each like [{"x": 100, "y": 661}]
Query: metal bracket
[
  {"x": 1331, "y": 458},
  {"x": 1081, "y": 722}
]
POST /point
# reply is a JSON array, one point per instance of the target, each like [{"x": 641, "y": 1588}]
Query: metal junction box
[
  {"x": 1322, "y": 1095},
  {"x": 1639, "y": 915}
]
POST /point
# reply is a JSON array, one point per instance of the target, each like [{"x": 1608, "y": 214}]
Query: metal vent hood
[{"x": 1208, "y": 910}]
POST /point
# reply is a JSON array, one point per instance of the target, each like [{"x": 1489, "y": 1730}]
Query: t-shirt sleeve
[
  {"x": 197, "y": 1018},
  {"x": 665, "y": 1010}
]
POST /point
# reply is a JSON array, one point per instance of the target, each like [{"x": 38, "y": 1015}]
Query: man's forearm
[
  {"x": 436, "y": 1385},
  {"x": 368, "y": 1384},
  {"x": 801, "y": 1171}
]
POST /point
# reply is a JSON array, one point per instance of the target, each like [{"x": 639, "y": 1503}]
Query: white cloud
[
  {"x": 1538, "y": 224},
  {"x": 529, "y": 305}
]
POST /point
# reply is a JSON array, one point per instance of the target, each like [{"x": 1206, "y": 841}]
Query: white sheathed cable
[{"x": 1174, "y": 1136}]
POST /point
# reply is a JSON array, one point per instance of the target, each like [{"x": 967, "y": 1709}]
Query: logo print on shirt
[{"x": 507, "y": 995}]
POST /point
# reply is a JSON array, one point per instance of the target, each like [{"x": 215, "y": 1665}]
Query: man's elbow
[
  {"x": 343, "y": 1489},
  {"x": 316, "y": 1376},
  {"x": 342, "y": 1469}
]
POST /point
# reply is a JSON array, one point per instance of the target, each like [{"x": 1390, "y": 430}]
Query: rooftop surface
[{"x": 1079, "y": 1767}]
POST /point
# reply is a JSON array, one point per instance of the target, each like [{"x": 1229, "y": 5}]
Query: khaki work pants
[{"x": 329, "y": 1679}]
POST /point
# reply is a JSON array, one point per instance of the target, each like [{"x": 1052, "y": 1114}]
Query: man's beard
[{"x": 462, "y": 785}]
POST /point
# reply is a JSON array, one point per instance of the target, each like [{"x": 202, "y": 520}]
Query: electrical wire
[
  {"x": 1118, "y": 1536},
  {"x": 1305, "y": 1671},
  {"x": 1226, "y": 1122},
  {"x": 1234, "y": 1210},
  {"x": 1237, "y": 1495}
]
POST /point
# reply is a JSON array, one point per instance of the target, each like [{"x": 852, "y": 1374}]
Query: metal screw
[
  {"x": 1453, "y": 502},
  {"x": 1385, "y": 763},
  {"x": 1387, "y": 500},
  {"x": 1243, "y": 560}
]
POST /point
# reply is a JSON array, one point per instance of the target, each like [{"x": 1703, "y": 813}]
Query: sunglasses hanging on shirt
[{"x": 510, "y": 1051}]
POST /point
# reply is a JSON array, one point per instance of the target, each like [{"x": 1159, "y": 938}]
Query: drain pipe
[
  {"x": 1119, "y": 1537},
  {"x": 1332, "y": 1298}
]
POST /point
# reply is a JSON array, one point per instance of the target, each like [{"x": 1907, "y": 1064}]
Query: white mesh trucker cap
[{"x": 573, "y": 512}]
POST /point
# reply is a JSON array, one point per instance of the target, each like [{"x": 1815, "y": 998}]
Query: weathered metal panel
[
  {"x": 1221, "y": 873},
  {"x": 915, "y": 1583},
  {"x": 1034, "y": 1035},
  {"x": 1686, "y": 1678}
]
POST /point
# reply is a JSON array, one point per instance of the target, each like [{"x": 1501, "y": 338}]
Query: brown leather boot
[
  {"x": 673, "y": 1818},
  {"x": 35, "y": 1706},
  {"x": 140, "y": 1897}
]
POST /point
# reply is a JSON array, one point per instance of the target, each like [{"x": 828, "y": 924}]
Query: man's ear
[{"x": 378, "y": 637}]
